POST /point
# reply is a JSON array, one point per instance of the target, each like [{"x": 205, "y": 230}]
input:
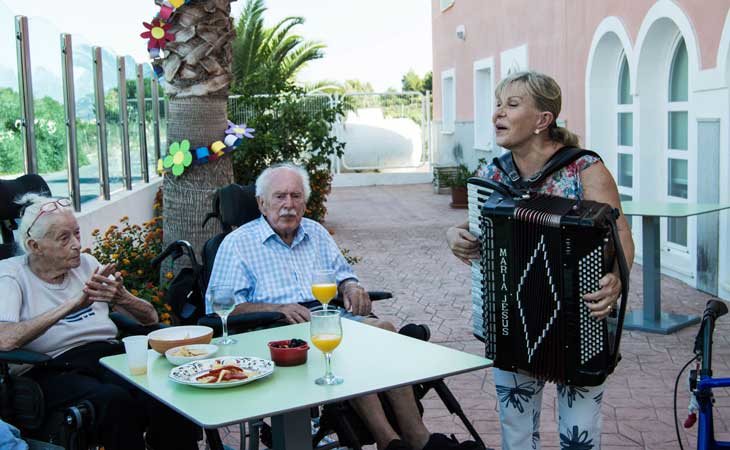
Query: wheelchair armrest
[
  {"x": 374, "y": 296},
  {"x": 241, "y": 323},
  {"x": 379, "y": 295},
  {"x": 23, "y": 357},
  {"x": 129, "y": 326}
]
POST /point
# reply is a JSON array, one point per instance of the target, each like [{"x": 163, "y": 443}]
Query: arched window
[
  {"x": 625, "y": 132},
  {"x": 677, "y": 140}
]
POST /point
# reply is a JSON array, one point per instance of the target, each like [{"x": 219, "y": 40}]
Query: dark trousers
[{"x": 123, "y": 413}]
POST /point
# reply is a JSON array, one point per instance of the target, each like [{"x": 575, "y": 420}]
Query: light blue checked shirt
[{"x": 262, "y": 268}]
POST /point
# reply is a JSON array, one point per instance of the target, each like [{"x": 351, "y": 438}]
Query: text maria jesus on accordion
[{"x": 555, "y": 249}]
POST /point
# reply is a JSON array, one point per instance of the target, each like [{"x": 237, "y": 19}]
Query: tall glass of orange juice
[
  {"x": 324, "y": 286},
  {"x": 325, "y": 330}
]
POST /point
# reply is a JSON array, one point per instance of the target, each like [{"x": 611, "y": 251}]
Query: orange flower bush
[{"x": 132, "y": 248}]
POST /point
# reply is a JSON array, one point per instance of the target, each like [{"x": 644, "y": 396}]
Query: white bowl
[
  {"x": 205, "y": 350},
  {"x": 166, "y": 338}
]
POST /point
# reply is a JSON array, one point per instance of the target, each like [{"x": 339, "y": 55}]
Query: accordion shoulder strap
[{"x": 561, "y": 158}]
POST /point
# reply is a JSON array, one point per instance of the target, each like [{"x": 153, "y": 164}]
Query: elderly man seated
[
  {"x": 56, "y": 300},
  {"x": 269, "y": 263}
]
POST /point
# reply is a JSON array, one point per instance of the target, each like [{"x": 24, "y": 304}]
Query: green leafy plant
[
  {"x": 290, "y": 126},
  {"x": 131, "y": 248},
  {"x": 50, "y": 133},
  {"x": 265, "y": 58},
  {"x": 459, "y": 178}
]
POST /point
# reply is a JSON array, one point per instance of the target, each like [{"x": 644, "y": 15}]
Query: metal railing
[
  {"x": 75, "y": 177},
  {"x": 98, "y": 163}
]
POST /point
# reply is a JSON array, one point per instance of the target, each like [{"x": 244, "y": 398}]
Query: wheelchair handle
[
  {"x": 176, "y": 249},
  {"x": 703, "y": 341}
]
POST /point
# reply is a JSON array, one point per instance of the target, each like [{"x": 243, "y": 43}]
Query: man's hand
[
  {"x": 356, "y": 299},
  {"x": 604, "y": 299},
  {"x": 463, "y": 244},
  {"x": 294, "y": 313}
]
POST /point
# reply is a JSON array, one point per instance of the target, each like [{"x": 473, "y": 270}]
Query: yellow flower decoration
[{"x": 179, "y": 157}]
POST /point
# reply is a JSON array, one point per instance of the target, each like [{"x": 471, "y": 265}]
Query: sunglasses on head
[{"x": 49, "y": 207}]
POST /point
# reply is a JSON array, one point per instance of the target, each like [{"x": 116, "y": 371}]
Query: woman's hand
[
  {"x": 102, "y": 288},
  {"x": 463, "y": 244},
  {"x": 602, "y": 302}
]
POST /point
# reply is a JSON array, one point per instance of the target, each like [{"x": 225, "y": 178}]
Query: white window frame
[
  {"x": 448, "y": 102},
  {"x": 624, "y": 149},
  {"x": 513, "y": 60},
  {"x": 675, "y": 154},
  {"x": 484, "y": 104},
  {"x": 446, "y": 4}
]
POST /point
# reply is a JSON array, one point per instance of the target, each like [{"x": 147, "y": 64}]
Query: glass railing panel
[
  {"x": 86, "y": 130},
  {"x": 133, "y": 117},
  {"x": 50, "y": 129},
  {"x": 113, "y": 122},
  {"x": 11, "y": 142}
]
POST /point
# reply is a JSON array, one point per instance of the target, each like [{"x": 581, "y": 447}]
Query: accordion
[{"x": 539, "y": 255}]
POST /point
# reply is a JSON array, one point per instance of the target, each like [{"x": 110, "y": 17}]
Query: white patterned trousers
[{"x": 520, "y": 401}]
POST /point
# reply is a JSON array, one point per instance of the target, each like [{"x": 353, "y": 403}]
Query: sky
[{"x": 374, "y": 41}]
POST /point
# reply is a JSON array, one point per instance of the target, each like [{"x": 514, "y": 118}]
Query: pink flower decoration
[{"x": 158, "y": 35}]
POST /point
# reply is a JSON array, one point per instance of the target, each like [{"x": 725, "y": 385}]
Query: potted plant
[{"x": 457, "y": 183}]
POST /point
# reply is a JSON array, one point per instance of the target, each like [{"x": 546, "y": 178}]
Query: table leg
[
  {"x": 214, "y": 439},
  {"x": 292, "y": 430},
  {"x": 651, "y": 318}
]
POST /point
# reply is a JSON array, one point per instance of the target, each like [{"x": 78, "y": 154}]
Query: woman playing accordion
[{"x": 527, "y": 106}]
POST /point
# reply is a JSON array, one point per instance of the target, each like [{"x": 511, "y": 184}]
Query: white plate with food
[
  {"x": 189, "y": 353},
  {"x": 222, "y": 372}
]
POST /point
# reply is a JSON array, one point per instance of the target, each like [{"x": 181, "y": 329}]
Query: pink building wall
[{"x": 558, "y": 35}]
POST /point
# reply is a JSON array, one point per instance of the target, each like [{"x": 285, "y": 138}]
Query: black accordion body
[{"x": 540, "y": 255}]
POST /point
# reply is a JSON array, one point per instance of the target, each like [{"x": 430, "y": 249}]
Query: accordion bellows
[{"x": 539, "y": 256}]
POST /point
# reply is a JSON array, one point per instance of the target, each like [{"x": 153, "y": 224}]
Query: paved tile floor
[{"x": 398, "y": 231}]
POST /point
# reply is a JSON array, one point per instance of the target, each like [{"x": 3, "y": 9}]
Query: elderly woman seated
[{"x": 56, "y": 300}]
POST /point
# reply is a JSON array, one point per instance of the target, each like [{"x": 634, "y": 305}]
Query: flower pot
[{"x": 458, "y": 197}]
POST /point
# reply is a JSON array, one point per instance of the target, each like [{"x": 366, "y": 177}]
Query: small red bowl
[{"x": 293, "y": 356}]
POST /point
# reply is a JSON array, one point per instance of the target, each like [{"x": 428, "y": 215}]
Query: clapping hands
[{"x": 104, "y": 285}]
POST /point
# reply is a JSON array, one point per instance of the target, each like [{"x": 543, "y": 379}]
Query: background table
[
  {"x": 369, "y": 359},
  {"x": 651, "y": 318}
]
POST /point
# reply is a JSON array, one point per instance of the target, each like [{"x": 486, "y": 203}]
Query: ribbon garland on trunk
[{"x": 180, "y": 157}]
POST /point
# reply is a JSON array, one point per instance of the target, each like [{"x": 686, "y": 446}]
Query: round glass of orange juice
[
  {"x": 325, "y": 330},
  {"x": 324, "y": 286}
]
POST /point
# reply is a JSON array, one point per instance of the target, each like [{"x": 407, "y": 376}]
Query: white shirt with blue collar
[{"x": 262, "y": 268}]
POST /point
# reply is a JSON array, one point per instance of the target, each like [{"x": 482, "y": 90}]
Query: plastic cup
[{"x": 136, "y": 348}]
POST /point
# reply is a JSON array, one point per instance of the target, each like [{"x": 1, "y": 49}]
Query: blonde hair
[
  {"x": 31, "y": 204},
  {"x": 547, "y": 96}
]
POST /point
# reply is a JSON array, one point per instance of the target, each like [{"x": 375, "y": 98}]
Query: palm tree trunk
[
  {"x": 198, "y": 73},
  {"x": 188, "y": 198}
]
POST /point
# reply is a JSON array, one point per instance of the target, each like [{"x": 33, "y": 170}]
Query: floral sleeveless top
[{"x": 563, "y": 183}]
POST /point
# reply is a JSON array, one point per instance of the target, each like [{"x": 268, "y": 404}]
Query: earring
[{"x": 537, "y": 131}]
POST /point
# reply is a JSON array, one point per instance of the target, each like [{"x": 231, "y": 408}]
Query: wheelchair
[
  {"x": 21, "y": 398},
  {"x": 233, "y": 206}
]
